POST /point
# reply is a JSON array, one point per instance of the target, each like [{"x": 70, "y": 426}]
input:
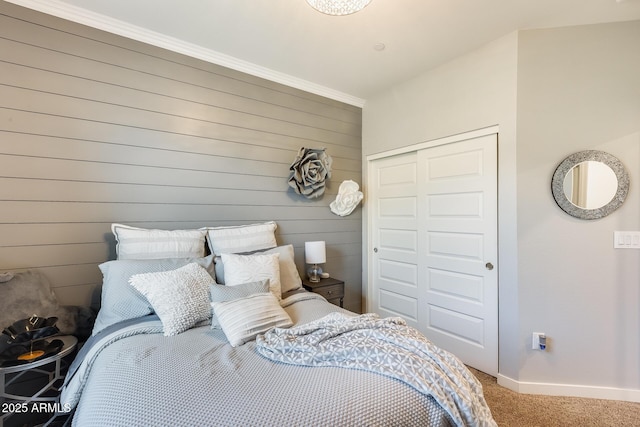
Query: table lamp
[{"x": 314, "y": 254}]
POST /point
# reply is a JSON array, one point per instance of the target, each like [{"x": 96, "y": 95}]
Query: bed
[{"x": 173, "y": 346}]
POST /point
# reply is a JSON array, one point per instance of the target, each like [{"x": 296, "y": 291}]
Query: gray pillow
[
  {"x": 120, "y": 300},
  {"x": 222, "y": 293}
]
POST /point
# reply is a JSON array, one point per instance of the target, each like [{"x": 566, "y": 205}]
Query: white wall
[
  {"x": 472, "y": 92},
  {"x": 578, "y": 89},
  {"x": 567, "y": 90}
]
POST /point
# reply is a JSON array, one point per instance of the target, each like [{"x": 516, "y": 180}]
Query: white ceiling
[{"x": 289, "y": 42}]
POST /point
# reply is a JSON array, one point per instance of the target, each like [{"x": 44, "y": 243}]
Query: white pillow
[
  {"x": 179, "y": 297},
  {"x": 141, "y": 243},
  {"x": 289, "y": 276},
  {"x": 221, "y": 293},
  {"x": 243, "y": 238},
  {"x": 253, "y": 268},
  {"x": 244, "y": 318}
]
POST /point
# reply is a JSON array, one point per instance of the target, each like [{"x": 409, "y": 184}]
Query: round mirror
[{"x": 590, "y": 184}]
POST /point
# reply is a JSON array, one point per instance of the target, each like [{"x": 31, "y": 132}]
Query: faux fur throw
[{"x": 28, "y": 293}]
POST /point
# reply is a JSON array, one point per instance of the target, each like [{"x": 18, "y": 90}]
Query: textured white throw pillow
[
  {"x": 179, "y": 297},
  {"x": 243, "y": 319},
  {"x": 121, "y": 301},
  {"x": 240, "y": 269}
]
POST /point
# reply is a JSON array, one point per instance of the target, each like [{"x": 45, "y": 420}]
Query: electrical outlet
[{"x": 538, "y": 341}]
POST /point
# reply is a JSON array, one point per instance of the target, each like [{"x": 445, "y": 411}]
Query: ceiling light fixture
[
  {"x": 379, "y": 47},
  {"x": 338, "y": 7}
]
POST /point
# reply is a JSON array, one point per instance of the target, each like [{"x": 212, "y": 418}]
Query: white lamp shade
[{"x": 315, "y": 253}]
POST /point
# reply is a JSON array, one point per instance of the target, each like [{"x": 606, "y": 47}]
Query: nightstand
[
  {"x": 330, "y": 288},
  {"x": 49, "y": 370}
]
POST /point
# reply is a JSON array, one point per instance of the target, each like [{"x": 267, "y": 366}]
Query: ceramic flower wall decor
[
  {"x": 348, "y": 198},
  {"x": 309, "y": 171}
]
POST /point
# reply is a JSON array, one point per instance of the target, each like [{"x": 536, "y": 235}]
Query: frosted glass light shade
[
  {"x": 315, "y": 252},
  {"x": 338, "y": 7}
]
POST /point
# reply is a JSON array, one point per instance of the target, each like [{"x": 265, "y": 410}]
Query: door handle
[
  {"x": 375, "y": 250},
  {"x": 489, "y": 266}
]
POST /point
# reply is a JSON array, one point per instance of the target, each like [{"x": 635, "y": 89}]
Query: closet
[{"x": 433, "y": 244}]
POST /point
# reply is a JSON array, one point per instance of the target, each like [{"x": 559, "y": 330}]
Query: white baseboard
[{"x": 549, "y": 389}]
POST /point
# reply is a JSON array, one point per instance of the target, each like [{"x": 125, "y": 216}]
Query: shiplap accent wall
[{"x": 96, "y": 129}]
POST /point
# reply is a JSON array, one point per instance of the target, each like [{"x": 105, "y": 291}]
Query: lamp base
[{"x": 313, "y": 273}]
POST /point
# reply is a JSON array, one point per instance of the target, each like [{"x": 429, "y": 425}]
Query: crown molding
[{"x": 83, "y": 16}]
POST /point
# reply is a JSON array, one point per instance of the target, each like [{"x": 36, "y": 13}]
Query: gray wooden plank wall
[{"x": 96, "y": 129}]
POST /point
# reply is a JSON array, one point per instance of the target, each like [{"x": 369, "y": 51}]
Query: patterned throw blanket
[{"x": 384, "y": 346}]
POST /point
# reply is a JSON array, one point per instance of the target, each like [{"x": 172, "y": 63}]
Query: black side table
[{"x": 330, "y": 288}]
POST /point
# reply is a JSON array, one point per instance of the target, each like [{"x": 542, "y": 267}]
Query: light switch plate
[{"x": 626, "y": 239}]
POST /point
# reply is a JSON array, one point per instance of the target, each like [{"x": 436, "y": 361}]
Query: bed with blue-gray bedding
[{"x": 130, "y": 374}]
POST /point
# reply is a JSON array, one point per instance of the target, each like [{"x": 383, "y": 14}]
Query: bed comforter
[
  {"x": 132, "y": 375},
  {"x": 386, "y": 347}
]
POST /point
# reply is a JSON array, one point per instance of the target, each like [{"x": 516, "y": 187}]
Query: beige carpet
[{"x": 527, "y": 410}]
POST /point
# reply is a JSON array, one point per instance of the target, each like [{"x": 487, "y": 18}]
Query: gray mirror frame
[{"x": 557, "y": 187}]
